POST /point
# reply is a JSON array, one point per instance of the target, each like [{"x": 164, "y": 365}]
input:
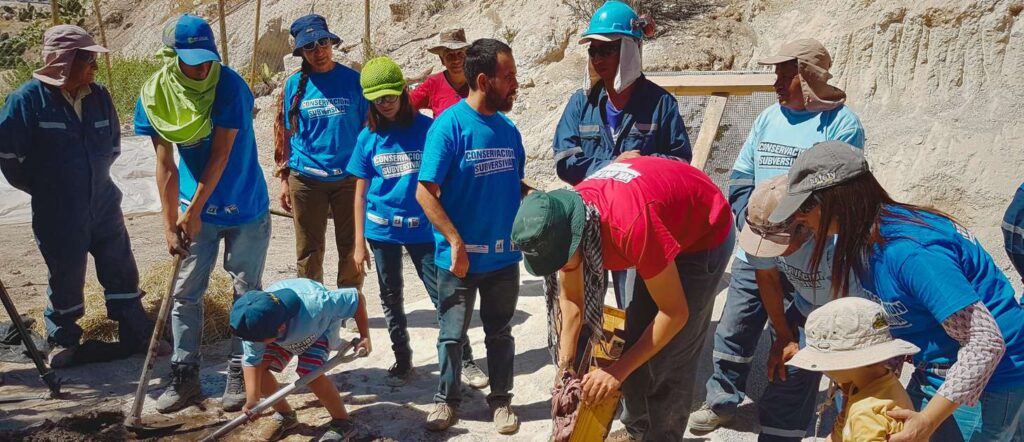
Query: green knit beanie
[{"x": 381, "y": 76}]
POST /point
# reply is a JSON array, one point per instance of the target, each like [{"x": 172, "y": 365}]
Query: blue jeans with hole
[
  {"x": 499, "y": 294},
  {"x": 245, "y": 252},
  {"x": 996, "y": 417},
  {"x": 656, "y": 397}
]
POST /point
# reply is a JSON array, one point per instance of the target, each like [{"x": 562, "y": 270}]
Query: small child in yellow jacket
[{"x": 848, "y": 339}]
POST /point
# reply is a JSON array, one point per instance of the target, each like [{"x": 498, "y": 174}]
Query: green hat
[
  {"x": 380, "y": 77},
  {"x": 548, "y": 229}
]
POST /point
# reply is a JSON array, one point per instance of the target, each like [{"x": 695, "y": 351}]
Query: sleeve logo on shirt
[
  {"x": 620, "y": 172},
  {"x": 394, "y": 165},
  {"x": 211, "y": 209},
  {"x": 317, "y": 108},
  {"x": 231, "y": 210},
  {"x": 376, "y": 219},
  {"x": 499, "y": 246},
  {"x": 396, "y": 221},
  {"x": 965, "y": 233},
  {"x": 414, "y": 222},
  {"x": 492, "y": 161}
]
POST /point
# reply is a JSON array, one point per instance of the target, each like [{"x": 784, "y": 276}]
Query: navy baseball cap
[
  {"x": 308, "y": 29},
  {"x": 257, "y": 315},
  {"x": 192, "y": 39}
]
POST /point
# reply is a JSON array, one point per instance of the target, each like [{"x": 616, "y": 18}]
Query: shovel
[
  {"x": 154, "y": 425},
  {"x": 288, "y": 389},
  {"x": 49, "y": 377}
]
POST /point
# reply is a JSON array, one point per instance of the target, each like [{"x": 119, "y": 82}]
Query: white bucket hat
[{"x": 848, "y": 333}]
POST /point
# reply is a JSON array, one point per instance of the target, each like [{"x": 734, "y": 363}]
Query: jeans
[
  {"x": 245, "y": 252},
  {"x": 312, "y": 202},
  {"x": 656, "y": 397},
  {"x": 1013, "y": 231},
  {"x": 736, "y": 338},
  {"x": 66, "y": 245},
  {"x": 499, "y": 294},
  {"x": 996, "y": 417},
  {"x": 787, "y": 407},
  {"x": 388, "y": 259}
]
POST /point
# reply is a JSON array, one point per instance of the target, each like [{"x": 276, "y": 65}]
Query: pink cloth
[
  {"x": 60, "y": 44},
  {"x": 565, "y": 406}
]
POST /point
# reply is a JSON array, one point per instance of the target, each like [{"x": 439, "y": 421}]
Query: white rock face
[{"x": 936, "y": 82}]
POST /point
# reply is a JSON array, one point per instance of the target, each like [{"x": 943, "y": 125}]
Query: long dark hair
[
  {"x": 293, "y": 109},
  {"x": 857, "y": 207},
  {"x": 376, "y": 122}
]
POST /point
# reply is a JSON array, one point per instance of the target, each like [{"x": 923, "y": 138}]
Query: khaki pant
[{"x": 312, "y": 202}]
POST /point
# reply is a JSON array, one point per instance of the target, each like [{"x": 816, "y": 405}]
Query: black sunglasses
[
  {"x": 602, "y": 51},
  {"x": 326, "y": 41}
]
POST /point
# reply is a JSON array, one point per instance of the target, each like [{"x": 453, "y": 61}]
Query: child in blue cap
[{"x": 296, "y": 317}]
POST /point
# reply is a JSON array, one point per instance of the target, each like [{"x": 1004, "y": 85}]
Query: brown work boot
[{"x": 276, "y": 426}]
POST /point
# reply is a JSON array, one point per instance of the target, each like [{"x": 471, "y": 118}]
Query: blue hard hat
[{"x": 612, "y": 21}]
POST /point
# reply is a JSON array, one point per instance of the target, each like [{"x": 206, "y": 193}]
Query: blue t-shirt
[
  {"x": 321, "y": 312},
  {"x": 814, "y": 287},
  {"x": 779, "y": 134},
  {"x": 931, "y": 268},
  {"x": 332, "y": 112},
  {"x": 241, "y": 193},
  {"x": 390, "y": 161},
  {"x": 478, "y": 161}
]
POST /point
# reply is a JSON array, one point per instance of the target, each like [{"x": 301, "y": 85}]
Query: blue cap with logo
[
  {"x": 192, "y": 39},
  {"x": 257, "y": 315},
  {"x": 309, "y": 29}
]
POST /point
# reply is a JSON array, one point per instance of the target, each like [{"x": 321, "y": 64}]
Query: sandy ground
[{"x": 383, "y": 411}]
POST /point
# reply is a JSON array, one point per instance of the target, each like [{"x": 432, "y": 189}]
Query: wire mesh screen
[{"x": 740, "y": 112}]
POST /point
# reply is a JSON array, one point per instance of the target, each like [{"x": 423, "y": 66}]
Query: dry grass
[{"x": 216, "y": 305}]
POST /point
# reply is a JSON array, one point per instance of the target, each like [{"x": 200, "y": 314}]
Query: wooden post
[
  {"x": 366, "y": 30},
  {"x": 55, "y": 12},
  {"x": 255, "y": 42},
  {"x": 713, "y": 113},
  {"x": 223, "y": 35},
  {"x": 103, "y": 41}
]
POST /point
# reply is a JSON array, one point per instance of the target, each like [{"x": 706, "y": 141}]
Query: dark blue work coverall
[{"x": 63, "y": 162}]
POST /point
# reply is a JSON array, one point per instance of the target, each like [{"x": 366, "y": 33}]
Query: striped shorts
[{"x": 310, "y": 360}]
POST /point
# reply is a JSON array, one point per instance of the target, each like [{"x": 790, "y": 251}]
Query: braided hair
[{"x": 293, "y": 110}]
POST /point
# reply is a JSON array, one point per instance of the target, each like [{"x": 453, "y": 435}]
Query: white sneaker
[{"x": 705, "y": 420}]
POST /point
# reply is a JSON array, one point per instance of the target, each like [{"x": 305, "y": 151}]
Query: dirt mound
[{"x": 94, "y": 427}]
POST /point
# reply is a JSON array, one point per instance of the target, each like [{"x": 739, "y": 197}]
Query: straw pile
[{"x": 216, "y": 304}]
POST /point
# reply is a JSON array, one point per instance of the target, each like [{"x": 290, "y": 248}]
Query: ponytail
[{"x": 293, "y": 110}]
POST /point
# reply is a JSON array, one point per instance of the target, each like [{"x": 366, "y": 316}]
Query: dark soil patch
[{"x": 101, "y": 426}]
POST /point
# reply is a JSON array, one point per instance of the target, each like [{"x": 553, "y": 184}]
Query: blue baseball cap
[
  {"x": 257, "y": 315},
  {"x": 309, "y": 29},
  {"x": 192, "y": 39}
]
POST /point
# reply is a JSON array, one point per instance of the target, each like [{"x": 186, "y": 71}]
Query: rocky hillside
[{"x": 936, "y": 82}]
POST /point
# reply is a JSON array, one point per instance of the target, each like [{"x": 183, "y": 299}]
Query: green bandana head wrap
[{"x": 179, "y": 107}]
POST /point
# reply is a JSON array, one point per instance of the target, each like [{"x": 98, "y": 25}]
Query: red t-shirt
[
  {"x": 437, "y": 94},
  {"x": 653, "y": 209}
]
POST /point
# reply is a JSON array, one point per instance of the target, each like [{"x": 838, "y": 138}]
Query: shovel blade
[{"x": 153, "y": 425}]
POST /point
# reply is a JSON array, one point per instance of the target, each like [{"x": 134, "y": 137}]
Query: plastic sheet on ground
[{"x": 134, "y": 172}]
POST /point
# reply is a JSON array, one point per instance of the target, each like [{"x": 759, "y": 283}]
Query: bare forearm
[
  {"x": 362, "y": 319},
  {"x": 167, "y": 182},
  {"x": 569, "y": 335},
  {"x": 769, "y": 284},
  {"x": 657, "y": 335},
  {"x": 359, "y": 217},
  {"x": 427, "y": 196}
]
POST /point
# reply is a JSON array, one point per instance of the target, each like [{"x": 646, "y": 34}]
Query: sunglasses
[
  {"x": 810, "y": 204},
  {"x": 387, "y": 99},
  {"x": 602, "y": 51},
  {"x": 87, "y": 57},
  {"x": 309, "y": 47},
  {"x": 451, "y": 56}
]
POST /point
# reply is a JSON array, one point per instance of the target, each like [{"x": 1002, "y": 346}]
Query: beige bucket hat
[
  {"x": 848, "y": 333},
  {"x": 760, "y": 237},
  {"x": 450, "y": 40}
]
